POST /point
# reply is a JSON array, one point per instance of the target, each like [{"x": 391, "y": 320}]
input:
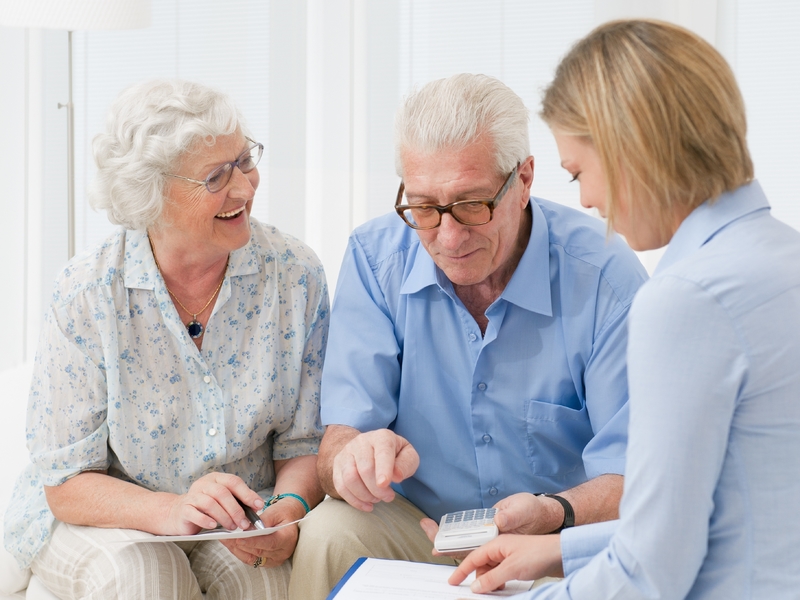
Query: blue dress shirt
[
  {"x": 712, "y": 471},
  {"x": 538, "y": 404}
]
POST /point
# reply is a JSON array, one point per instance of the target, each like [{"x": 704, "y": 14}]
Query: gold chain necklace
[{"x": 194, "y": 327}]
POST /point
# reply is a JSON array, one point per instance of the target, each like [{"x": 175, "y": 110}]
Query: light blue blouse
[
  {"x": 118, "y": 384},
  {"x": 712, "y": 472}
]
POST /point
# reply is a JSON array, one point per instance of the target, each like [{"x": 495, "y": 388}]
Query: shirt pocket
[{"x": 556, "y": 437}]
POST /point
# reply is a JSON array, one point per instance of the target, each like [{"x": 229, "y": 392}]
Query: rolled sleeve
[
  {"x": 362, "y": 376},
  {"x": 303, "y": 436},
  {"x": 605, "y": 381},
  {"x": 67, "y": 431}
]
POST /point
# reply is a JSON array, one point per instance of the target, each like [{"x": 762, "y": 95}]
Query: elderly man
[{"x": 477, "y": 348}]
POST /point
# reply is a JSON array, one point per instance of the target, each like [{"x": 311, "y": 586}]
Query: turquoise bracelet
[{"x": 273, "y": 499}]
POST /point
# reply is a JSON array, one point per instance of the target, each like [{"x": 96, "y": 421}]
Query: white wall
[
  {"x": 12, "y": 171},
  {"x": 33, "y": 166}
]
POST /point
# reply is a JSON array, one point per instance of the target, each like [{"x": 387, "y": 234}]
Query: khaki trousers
[
  {"x": 334, "y": 535},
  {"x": 88, "y": 562}
]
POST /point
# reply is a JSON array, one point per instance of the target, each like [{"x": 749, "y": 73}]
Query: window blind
[
  {"x": 518, "y": 41},
  {"x": 767, "y": 58}
]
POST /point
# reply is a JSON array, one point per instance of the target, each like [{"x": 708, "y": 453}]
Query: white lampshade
[{"x": 75, "y": 15}]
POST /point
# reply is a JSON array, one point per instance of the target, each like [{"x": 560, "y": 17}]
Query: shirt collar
[
  {"x": 423, "y": 272},
  {"x": 529, "y": 287},
  {"x": 140, "y": 266},
  {"x": 706, "y": 220}
]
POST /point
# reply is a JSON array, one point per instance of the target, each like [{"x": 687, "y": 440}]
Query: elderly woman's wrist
[
  {"x": 164, "y": 505},
  {"x": 291, "y": 501}
]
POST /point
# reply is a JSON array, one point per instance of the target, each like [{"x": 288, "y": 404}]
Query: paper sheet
[
  {"x": 401, "y": 580},
  {"x": 205, "y": 534}
]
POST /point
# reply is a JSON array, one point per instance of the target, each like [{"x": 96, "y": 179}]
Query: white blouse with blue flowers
[{"x": 119, "y": 385}]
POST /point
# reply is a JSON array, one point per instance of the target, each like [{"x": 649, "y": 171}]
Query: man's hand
[
  {"x": 431, "y": 528},
  {"x": 510, "y": 557},
  {"x": 593, "y": 501},
  {"x": 521, "y": 513},
  {"x": 528, "y": 514},
  {"x": 366, "y": 466}
]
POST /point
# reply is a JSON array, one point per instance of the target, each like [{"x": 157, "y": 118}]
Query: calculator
[{"x": 465, "y": 530}]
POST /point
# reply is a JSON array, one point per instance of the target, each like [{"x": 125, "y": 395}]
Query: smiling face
[
  {"x": 580, "y": 158},
  {"x": 468, "y": 255},
  {"x": 206, "y": 224}
]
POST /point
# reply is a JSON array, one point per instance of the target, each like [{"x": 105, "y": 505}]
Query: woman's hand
[
  {"x": 211, "y": 500},
  {"x": 273, "y": 548},
  {"x": 510, "y": 557},
  {"x": 297, "y": 476}
]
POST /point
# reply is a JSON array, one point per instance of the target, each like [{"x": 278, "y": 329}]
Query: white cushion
[
  {"x": 37, "y": 591},
  {"x": 12, "y": 579},
  {"x": 14, "y": 384}
]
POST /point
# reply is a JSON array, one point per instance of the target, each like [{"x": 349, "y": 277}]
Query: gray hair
[
  {"x": 452, "y": 113},
  {"x": 151, "y": 126}
]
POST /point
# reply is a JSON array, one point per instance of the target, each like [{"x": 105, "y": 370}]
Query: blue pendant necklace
[{"x": 194, "y": 327}]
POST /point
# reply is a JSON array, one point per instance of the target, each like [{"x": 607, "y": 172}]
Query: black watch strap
[{"x": 569, "y": 513}]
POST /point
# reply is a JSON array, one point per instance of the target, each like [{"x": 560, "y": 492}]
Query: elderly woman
[
  {"x": 178, "y": 370},
  {"x": 649, "y": 120}
]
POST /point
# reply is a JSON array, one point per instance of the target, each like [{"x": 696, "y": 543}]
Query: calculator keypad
[{"x": 468, "y": 519}]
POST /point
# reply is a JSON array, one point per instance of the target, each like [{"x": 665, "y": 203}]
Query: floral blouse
[{"x": 119, "y": 385}]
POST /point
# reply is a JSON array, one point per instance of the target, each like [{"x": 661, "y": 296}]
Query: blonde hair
[
  {"x": 662, "y": 109},
  {"x": 452, "y": 113}
]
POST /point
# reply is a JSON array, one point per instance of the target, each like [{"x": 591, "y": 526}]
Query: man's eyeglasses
[
  {"x": 219, "y": 177},
  {"x": 466, "y": 212}
]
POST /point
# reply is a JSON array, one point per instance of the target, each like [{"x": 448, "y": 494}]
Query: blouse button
[
  {"x": 207, "y": 379},
  {"x": 212, "y": 432}
]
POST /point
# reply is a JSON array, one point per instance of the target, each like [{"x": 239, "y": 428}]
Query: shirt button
[
  {"x": 207, "y": 379},
  {"x": 481, "y": 386},
  {"x": 212, "y": 432},
  {"x": 472, "y": 337},
  {"x": 487, "y": 438},
  {"x": 493, "y": 491}
]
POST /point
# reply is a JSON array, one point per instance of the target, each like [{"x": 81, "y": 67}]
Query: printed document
[{"x": 372, "y": 578}]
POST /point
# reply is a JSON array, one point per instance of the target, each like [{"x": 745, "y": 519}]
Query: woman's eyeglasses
[{"x": 219, "y": 177}]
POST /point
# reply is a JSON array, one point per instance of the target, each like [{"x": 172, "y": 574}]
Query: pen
[{"x": 251, "y": 515}]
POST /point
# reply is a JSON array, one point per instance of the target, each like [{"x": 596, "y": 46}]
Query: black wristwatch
[{"x": 569, "y": 514}]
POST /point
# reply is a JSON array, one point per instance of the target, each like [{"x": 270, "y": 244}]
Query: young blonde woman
[{"x": 650, "y": 122}]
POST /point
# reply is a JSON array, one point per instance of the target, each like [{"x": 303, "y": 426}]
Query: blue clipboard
[{"x": 345, "y": 577}]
